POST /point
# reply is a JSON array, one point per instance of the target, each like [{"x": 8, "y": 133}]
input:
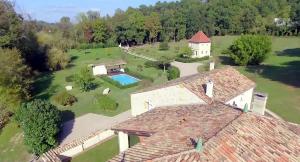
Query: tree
[
  {"x": 40, "y": 122},
  {"x": 164, "y": 61},
  {"x": 15, "y": 79},
  {"x": 173, "y": 73},
  {"x": 84, "y": 80},
  {"x": 65, "y": 26},
  {"x": 186, "y": 51},
  {"x": 57, "y": 59},
  {"x": 99, "y": 31},
  {"x": 152, "y": 26},
  {"x": 250, "y": 49},
  {"x": 10, "y": 24}
]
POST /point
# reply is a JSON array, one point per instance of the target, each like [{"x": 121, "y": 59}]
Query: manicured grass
[
  {"x": 103, "y": 151},
  {"x": 152, "y": 50},
  {"x": 12, "y": 148},
  {"x": 49, "y": 84}
]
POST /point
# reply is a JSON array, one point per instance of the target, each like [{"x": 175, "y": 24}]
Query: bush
[
  {"x": 69, "y": 78},
  {"x": 117, "y": 84},
  {"x": 106, "y": 103},
  {"x": 64, "y": 98},
  {"x": 189, "y": 60},
  {"x": 185, "y": 52},
  {"x": 163, "y": 46},
  {"x": 57, "y": 59},
  {"x": 250, "y": 49},
  {"x": 154, "y": 64},
  {"x": 84, "y": 80},
  {"x": 173, "y": 73},
  {"x": 40, "y": 122}
]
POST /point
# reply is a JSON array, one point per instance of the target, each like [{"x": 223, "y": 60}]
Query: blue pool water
[{"x": 124, "y": 79}]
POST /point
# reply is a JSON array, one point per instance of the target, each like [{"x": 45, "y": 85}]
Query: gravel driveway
[
  {"x": 87, "y": 124},
  {"x": 186, "y": 69}
]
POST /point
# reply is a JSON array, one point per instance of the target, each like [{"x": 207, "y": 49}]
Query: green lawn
[
  {"x": 104, "y": 151},
  {"x": 152, "y": 50},
  {"x": 49, "y": 84},
  {"x": 12, "y": 148}
]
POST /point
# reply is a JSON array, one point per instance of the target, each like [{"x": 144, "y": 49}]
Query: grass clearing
[
  {"x": 12, "y": 148},
  {"x": 104, "y": 151}
]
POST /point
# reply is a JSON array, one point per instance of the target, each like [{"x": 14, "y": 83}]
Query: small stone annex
[{"x": 226, "y": 134}]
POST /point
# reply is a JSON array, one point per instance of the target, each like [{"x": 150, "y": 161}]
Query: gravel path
[
  {"x": 87, "y": 124},
  {"x": 186, "y": 69}
]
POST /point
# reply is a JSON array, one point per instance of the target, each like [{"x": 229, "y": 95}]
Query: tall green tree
[
  {"x": 152, "y": 26},
  {"x": 84, "y": 80},
  {"x": 40, "y": 121},
  {"x": 15, "y": 79},
  {"x": 100, "y": 31},
  {"x": 10, "y": 24}
]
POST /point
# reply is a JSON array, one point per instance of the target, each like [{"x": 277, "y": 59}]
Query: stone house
[
  {"x": 225, "y": 85},
  {"x": 200, "y": 45}
]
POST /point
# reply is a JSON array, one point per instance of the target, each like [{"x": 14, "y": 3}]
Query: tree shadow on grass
[
  {"x": 42, "y": 88},
  {"x": 288, "y": 73},
  {"x": 226, "y": 60},
  {"x": 294, "y": 52}
]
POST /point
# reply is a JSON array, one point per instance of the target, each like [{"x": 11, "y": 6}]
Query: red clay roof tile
[{"x": 199, "y": 37}]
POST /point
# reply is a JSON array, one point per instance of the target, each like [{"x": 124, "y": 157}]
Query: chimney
[
  {"x": 209, "y": 88},
  {"x": 211, "y": 66},
  {"x": 259, "y": 102},
  {"x": 199, "y": 146}
]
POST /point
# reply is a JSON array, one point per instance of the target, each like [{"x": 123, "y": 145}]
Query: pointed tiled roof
[{"x": 199, "y": 37}]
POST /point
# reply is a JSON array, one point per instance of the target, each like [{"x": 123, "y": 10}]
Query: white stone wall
[
  {"x": 88, "y": 143},
  {"x": 240, "y": 100},
  {"x": 200, "y": 49},
  {"x": 99, "y": 70},
  {"x": 173, "y": 95}
]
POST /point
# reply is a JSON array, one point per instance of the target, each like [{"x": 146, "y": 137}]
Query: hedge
[
  {"x": 189, "y": 60},
  {"x": 173, "y": 73},
  {"x": 138, "y": 75},
  {"x": 64, "y": 98},
  {"x": 117, "y": 84}
]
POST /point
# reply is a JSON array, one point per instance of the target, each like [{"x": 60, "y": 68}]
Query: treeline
[{"x": 166, "y": 21}]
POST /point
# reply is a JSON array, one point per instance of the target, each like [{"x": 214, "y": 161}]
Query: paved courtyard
[
  {"x": 186, "y": 69},
  {"x": 87, "y": 124}
]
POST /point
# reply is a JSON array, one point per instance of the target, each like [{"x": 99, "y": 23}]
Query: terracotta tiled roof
[
  {"x": 248, "y": 138},
  {"x": 228, "y": 135},
  {"x": 199, "y": 37},
  {"x": 228, "y": 83},
  {"x": 174, "y": 129}
]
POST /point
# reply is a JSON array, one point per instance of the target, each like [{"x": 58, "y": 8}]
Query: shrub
[
  {"x": 40, "y": 122},
  {"x": 64, "y": 98},
  {"x": 185, "y": 52},
  {"x": 69, "y": 78},
  {"x": 154, "y": 64},
  {"x": 57, "y": 59},
  {"x": 250, "y": 49},
  {"x": 163, "y": 46},
  {"x": 138, "y": 75},
  {"x": 173, "y": 73},
  {"x": 189, "y": 60},
  {"x": 84, "y": 80},
  {"x": 106, "y": 103},
  {"x": 139, "y": 67}
]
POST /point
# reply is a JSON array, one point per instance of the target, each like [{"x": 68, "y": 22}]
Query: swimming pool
[{"x": 124, "y": 79}]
